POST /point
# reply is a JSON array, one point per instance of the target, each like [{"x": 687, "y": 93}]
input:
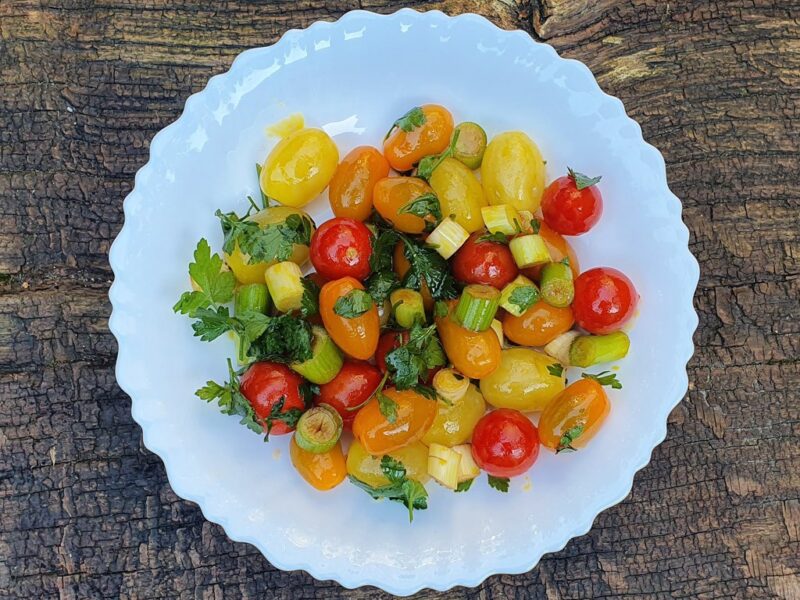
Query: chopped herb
[
  {"x": 308, "y": 391},
  {"x": 499, "y": 483},
  {"x": 230, "y": 400},
  {"x": 381, "y": 284},
  {"x": 464, "y": 485},
  {"x": 605, "y": 378},
  {"x": 535, "y": 226},
  {"x": 524, "y": 296},
  {"x": 272, "y": 242},
  {"x": 498, "y": 237},
  {"x": 440, "y": 309},
  {"x": 216, "y": 286},
  {"x": 387, "y": 406},
  {"x": 408, "y": 492},
  {"x": 424, "y": 206},
  {"x": 565, "y": 443},
  {"x": 556, "y": 370},
  {"x": 309, "y": 305},
  {"x": 286, "y": 339},
  {"x": 428, "y": 164},
  {"x": 428, "y": 265},
  {"x": 408, "y": 122},
  {"x": 409, "y": 364},
  {"x": 581, "y": 180},
  {"x": 276, "y": 413},
  {"x": 565, "y": 261},
  {"x": 353, "y": 304}
]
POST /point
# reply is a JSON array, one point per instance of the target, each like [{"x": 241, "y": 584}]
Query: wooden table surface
[{"x": 86, "y": 511}]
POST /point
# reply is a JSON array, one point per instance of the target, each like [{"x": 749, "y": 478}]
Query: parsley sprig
[
  {"x": 353, "y": 304},
  {"x": 272, "y": 242},
  {"x": 409, "y": 364},
  {"x": 428, "y": 265},
  {"x": 499, "y": 483},
  {"x": 408, "y": 122},
  {"x": 428, "y": 164},
  {"x": 216, "y": 286},
  {"x": 400, "y": 488},
  {"x": 524, "y": 297},
  {"x": 568, "y": 437},
  {"x": 605, "y": 378},
  {"x": 581, "y": 180},
  {"x": 424, "y": 206},
  {"x": 230, "y": 400}
]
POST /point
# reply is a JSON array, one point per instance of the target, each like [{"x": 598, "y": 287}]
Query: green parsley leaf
[
  {"x": 408, "y": 122},
  {"x": 409, "y": 364},
  {"x": 212, "y": 322},
  {"x": 524, "y": 297},
  {"x": 381, "y": 284},
  {"x": 499, "y": 483},
  {"x": 287, "y": 339},
  {"x": 387, "y": 406},
  {"x": 428, "y": 164},
  {"x": 535, "y": 226},
  {"x": 440, "y": 309},
  {"x": 230, "y": 400},
  {"x": 216, "y": 286},
  {"x": 565, "y": 261},
  {"x": 556, "y": 369},
  {"x": 273, "y": 242},
  {"x": 498, "y": 237},
  {"x": 605, "y": 378},
  {"x": 464, "y": 485},
  {"x": 565, "y": 443},
  {"x": 353, "y": 304},
  {"x": 581, "y": 180},
  {"x": 276, "y": 413},
  {"x": 383, "y": 249},
  {"x": 408, "y": 492},
  {"x": 428, "y": 265},
  {"x": 309, "y": 305},
  {"x": 425, "y": 206}
]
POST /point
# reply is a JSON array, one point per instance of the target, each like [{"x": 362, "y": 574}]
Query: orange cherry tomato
[
  {"x": 357, "y": 337},
  {"x": 430, "y": 127},
  {"x": 393, "y": 193},
  {"x": 571, "y": 419},
  {"x": 350, "y": 190},
  {"x": 559, "y": 250},
  {"x": 401, "y": 267},
  {"x": 474, "y": 354},
  {"x": 539, "y": 325},
  {"x": 324, "y": 470},
  {"x": 415, "y": 414}
]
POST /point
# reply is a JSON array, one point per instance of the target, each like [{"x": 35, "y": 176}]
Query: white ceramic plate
[{"x": 354, "y": 77}]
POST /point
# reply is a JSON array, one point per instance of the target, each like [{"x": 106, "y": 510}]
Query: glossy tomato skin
[
  {"x": 583, "y": 405},
  {"x": 323, "y": 471},
  {"x": 264, "y": 384},
  {"x": 505, "y": 443},
  {"x": 474, "y": 354},
  {"x": 392, "y": 194},
  {"x": 388, "y": 342},
  {"x": 485, "y": 262},
  {"x": 403, "y": 149},
  {"x": 356, "y": 337},
  {"x": 539, "y": 325},
  {"x": 354, "y": 384},
  {"x": 605, "y": 300},
  {"x": 350, "y": 190},
  {"x": 341, "y": 247},
  {"x": 571, "y": 211},
  {"x": 414, "y": 417}
]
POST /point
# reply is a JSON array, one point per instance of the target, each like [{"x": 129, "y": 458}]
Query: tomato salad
[{"x": 441, "y": 311}]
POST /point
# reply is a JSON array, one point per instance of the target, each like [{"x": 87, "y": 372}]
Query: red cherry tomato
[
  {"x": 388, "y": 342},
  {"x": 505, "y": 443},
  {"x": 264, "y": 384},
  {"x": 355, "y": 383},
  {"x": 340, "y": 248},
  {"x": 604, "y": 300},
  {"x": 488, "y": 263},
  {"x": 571, "y": 211}
]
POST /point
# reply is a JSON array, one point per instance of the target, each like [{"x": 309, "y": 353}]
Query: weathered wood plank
[{"x": 86, "y": 512}]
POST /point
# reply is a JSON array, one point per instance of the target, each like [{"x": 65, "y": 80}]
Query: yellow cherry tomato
[
  {"x": 367, "y": 468},
  {"x": 414, "y": 416},
  {"x": 572, "y": 418},
  {"x": 522, "y": 381},
  {"x": 513, "y": 171},
  {"x": 454, "y": 422},
  {"x": 239, "y": 262},
  {"x": 459, "y": 192},
  {"x": 474, "y": 354},
  {"x": 323, "y": 470},
  {"x": 299, "y": 167}
]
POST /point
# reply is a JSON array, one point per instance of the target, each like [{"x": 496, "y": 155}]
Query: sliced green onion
[
  {"x": 556, "y": 285},
  {"x": 497, "y": 327},
  {"x": 470, "y": 144},
  {"x": 285, "y": 283},
  {"x": 559, "y": 348},
  {"x": 519, "y": 295},
  {"x": 590, "y": 350},
  {"x": 318, "y": 429},
  {"x": 502, "y": 218},
  {"x": 447, "y": 238},
  {"x": 325, "y": 362},
  {"x": 251, "y": 297},
  {"x": 450, "y": 384},
  {"x": 477, "y": 307},
  {"x": 529, "y": 250},
  {"x": 408, "y": 307}
]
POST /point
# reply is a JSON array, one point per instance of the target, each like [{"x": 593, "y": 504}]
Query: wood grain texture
[{"x": 86, "y": 511}]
